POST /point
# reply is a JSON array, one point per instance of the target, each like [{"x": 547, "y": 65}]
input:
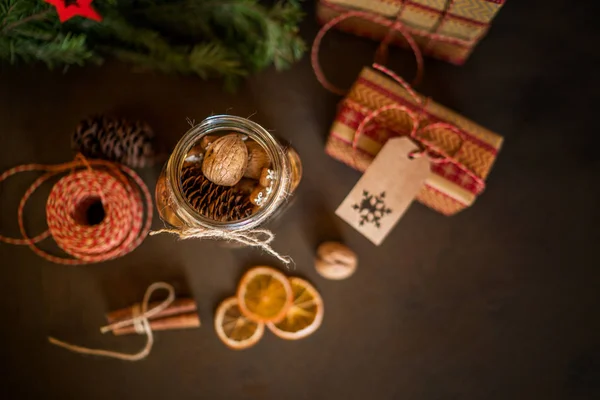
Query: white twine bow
[
  {"x": 139, "y": 320},
  {"x": 253, "y": 237}
]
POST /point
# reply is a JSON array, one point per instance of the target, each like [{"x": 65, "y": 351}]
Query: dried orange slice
[
  {"x": 264, "y": 294},
  {"x": 304, "y": 316},
  {"x": 235, "y": 330}
]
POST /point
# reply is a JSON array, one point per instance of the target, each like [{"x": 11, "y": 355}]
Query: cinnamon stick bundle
[{"x": 181, "y": 314}]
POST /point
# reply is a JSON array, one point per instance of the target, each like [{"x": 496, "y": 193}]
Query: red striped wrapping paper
[
  {"x": 445, "y": 29},
  {"x": 449, "y": 189}
]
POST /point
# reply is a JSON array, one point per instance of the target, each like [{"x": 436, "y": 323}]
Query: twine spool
[{"x": 114, "y": 191}]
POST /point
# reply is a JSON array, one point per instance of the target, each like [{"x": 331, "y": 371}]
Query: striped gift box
[
  {"x": 456, "y": 25},
  {"x": 449, "y": 189}
]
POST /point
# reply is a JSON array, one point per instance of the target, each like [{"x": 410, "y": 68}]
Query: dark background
[{"x": 498, "y": 302}]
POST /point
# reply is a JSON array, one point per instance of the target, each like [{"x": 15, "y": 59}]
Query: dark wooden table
[{"x": 498, "y": 302}]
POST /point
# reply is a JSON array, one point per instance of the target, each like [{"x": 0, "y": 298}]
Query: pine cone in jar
[
  {"x": 225, "y": 160},
  {"x": 217, "y": 202}
]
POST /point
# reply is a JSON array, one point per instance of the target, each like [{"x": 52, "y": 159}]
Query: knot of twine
[
  {"x": 260, "y": 238},
  {"x": 122, "y": 195},
  {"x": 139, "y": 320}
]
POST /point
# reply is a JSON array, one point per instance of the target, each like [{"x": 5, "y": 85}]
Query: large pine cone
[
  {"x": 219, "y": 203},
  {"x": 115, "y": 139}
]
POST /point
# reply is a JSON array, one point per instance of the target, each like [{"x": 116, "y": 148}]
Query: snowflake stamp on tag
[
  {"x": 386, "y": 190},
  {"x": 371, "y": 209}
]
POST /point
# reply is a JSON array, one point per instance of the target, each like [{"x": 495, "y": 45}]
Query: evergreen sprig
[{"x": 228, "y": 38}]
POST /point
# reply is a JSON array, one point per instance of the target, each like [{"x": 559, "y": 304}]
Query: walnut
[
  {"x": 225, "y": 160},
  {"x": 335, "y": 261},
  {"x": 257, "y": 160}
]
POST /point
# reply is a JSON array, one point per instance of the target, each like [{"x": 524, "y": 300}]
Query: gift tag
[{"x": 385, "y": 190}]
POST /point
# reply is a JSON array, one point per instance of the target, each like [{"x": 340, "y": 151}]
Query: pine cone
[
  {"x": 115, "y": 139},
  {"x": 220, "y": 203}
]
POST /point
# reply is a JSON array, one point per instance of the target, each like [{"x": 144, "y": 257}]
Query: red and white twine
[{"x": 122, "y": 193}]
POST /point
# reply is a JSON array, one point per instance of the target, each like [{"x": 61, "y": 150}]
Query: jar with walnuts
[{"x": 226, "y": 173}]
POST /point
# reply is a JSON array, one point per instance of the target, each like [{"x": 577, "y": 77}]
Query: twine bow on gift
[
  {"x": 139, "y": 321},
  {"x": 418, "y": 129}
]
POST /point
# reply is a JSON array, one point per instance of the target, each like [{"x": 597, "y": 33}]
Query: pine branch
[
  {"x": 214, "y": 59},
  {"x": 63, "y": 50},
  {"x": 34, "y": 34},
  {"x": 152, "y": 51},
  {"x": 228, "y": 38},
  {"x": 7, "y": 14},
  {"x": 259, "y": 35},
  {"x": 204, "y": 61},
  {"x": 30, "y": 33},
  {"x": 18, "y": 12},
  {"x": 35, "y": 17}
]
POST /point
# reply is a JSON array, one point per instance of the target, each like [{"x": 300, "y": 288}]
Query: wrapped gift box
[
  {"x": 449, "y": 188},
  {"x": 444, "y": 29}
]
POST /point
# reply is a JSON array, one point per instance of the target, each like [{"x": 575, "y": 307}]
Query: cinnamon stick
[
  {"x": 178, "y": 306},
  {"x": 181, "y": 321}
]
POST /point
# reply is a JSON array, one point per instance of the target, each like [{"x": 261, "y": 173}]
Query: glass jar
[{"x": 286, "y": 167}]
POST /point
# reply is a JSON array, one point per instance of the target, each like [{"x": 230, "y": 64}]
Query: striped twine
[{"x": 122, "y": 194}]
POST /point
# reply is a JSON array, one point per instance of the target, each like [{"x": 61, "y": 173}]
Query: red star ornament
[{"x": 69, "y": 9}]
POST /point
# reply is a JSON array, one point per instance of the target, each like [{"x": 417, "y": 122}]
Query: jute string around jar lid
[{"x": 260, "y": 238}]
